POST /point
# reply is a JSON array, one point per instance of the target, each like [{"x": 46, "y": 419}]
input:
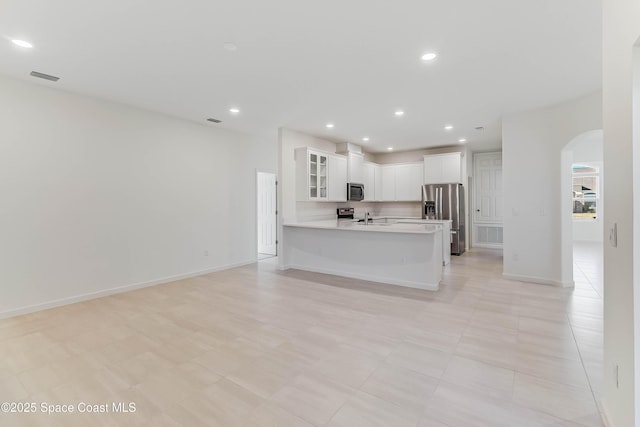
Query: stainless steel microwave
[{"x": 355, "y": 192}]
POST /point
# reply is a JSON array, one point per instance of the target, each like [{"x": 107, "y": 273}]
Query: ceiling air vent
[
  {"x": 44, "y": 76},
  {"x": 213, "y": 120}
]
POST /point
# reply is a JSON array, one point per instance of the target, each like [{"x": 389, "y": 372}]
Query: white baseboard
[
  {"x": 538, "y": 280},
  {"x": 115, "y": 290},
  {"x": 488, "y": 246},
  {"x": 387, "y": 281}
]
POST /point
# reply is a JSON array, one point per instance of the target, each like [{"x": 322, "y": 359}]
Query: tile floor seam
[
  {"x": 589, "y": 381},
  {"x": 375, "y": 397},
  {"x": 439, "y": 379}
]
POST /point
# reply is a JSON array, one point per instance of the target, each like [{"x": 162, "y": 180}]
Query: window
[{"x": 585, "y": 192}]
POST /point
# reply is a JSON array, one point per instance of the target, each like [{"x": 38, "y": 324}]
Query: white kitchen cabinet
[
  {"x": 378, "y": 183},
  {"x": 443, "y": 168},
  {"x": 409, "y": 181},
  {"x": 369, "y": 180},
  {"x": 320, "y": 176},
  {"x": 337, "y": 178},
  {"x": 401, "y": 182},
  {"x": 311, "y": 175},
  {"x": 355, "y": 169},
  {"x": 388, "y": 173}
]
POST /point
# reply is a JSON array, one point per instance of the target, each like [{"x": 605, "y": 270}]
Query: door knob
[{"x": 477, "y": 210}]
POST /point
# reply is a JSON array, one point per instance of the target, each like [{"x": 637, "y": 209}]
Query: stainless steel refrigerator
[{"x": 446, "y": 201}]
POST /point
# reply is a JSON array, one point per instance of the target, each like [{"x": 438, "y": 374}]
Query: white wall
[
  {"x": 532, "y": 143},
  {"x": 621, "y": 160},
  {"x": 97, "y": 196}
]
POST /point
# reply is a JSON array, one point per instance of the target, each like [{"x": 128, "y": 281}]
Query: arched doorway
[{"x": 583, "y": 153}]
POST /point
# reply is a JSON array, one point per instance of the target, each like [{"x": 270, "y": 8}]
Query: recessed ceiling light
[
  {"x": 461, "y": 140},
  {"x": 399, "y": 113},
  {"x": 330, "y": 125},
  {"x": 365, "y": 139},
  {"x": 448, "y": 127},
  {"x": 231, "y": 47},
  {"x": 390, "y": 148},
  {"x": 234, "y": 110},
  {"x": 429, "y": 56},
  {"x": 22, "y": 43}
]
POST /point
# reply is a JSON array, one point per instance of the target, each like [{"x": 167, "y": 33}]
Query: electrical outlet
[
  {"x": 515, "y": 257},
  {"x": 205, "y": 253}
]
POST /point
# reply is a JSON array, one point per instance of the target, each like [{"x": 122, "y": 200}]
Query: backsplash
[
  {"x": 407, "y": 209},
  {"x": 314, "y": 211}
]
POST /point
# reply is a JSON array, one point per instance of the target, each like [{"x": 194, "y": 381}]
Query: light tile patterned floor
[{"x": 253, "y": 346}]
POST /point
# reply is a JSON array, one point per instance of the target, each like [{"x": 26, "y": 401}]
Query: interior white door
[
  {"x": 267, "y": 217},
  {"x": 488, "y": 200}
]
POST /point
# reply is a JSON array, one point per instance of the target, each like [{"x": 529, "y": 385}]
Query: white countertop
[
  {"x": 411, "y": 219},
  {"x": 353, "y": 225},
  {"x": 422, "y": 221}
]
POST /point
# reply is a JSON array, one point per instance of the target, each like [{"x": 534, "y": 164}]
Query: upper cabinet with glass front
[
  {"x": 311, "y": 175},
  {"x": 320, "y": 177}
]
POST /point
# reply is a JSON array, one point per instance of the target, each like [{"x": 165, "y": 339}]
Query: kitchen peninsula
[{"x": 394, "y": 253}]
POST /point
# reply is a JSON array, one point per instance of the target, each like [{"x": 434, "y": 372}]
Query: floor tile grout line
[{"x": 584, "y": 367}]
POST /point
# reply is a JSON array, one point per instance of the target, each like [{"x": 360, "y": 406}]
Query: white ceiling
[{"x": 302, "y": 64}]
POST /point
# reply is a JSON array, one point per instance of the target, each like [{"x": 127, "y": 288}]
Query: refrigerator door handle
[{"x": 436, "y": 200}]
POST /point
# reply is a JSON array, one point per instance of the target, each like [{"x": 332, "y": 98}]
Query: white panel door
[
  {"x": 488, "y": 198},
  {"x": 267, "y": 222}
]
